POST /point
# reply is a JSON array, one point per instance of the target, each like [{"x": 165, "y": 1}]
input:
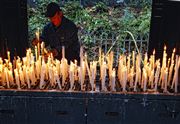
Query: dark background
[
  {"x": 165, "y": 27},
  {"x": 13, "y": 27}
]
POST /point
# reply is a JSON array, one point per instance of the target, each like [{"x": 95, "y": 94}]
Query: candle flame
[
  {"x": 174, "y": 50},
  {"x": 165, "y": 48}
]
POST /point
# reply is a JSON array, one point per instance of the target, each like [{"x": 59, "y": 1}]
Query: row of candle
[{"x": 133, "y": 71}]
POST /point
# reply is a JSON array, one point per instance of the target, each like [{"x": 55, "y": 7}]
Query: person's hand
[{"x": 35, "y": 41}]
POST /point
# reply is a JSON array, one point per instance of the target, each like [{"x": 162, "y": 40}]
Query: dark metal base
[{"x": 55, "y": 107}]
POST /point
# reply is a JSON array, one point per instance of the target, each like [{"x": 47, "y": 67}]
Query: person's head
[{"x": 54, "y": 13}]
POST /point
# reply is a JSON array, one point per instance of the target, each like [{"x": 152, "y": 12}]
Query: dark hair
[{"x": 51, "y": 9}]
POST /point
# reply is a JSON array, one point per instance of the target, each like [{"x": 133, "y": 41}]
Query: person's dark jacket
[{"x": 64, "y": 35}]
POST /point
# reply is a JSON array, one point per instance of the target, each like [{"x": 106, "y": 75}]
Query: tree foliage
[{"x": 133, "y": 16}]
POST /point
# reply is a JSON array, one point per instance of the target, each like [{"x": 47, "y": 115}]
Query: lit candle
[
  {"x": 8, "y": 54},
  {"x": 164, "y": 57},
  {"x": 172, "y": 57},
  {"x": 42, "y": 48}
]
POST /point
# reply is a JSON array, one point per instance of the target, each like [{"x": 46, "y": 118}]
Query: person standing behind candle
[{"x": 60, "y": 32}]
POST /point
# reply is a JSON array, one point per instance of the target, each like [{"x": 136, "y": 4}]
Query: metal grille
[{"x": 121, "y": 42}]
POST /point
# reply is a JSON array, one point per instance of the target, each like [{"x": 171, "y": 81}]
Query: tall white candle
[
  {"x": 36, "y": 53},
  {"x": 71, "y": 76},
  {"x": 8, "y": 54},
  {"x": 42, "y": 48},
  {"x": 75, "y": 71},
  {"x": 7, "y": 78},
  {"x": 58, "y": 67},
  {"x": 131, "y": 77},
  {"x": 17, "y": 78},
  {"x": 103, "y": 77},
  {"x": 82, "y": 72},
  {"x": 57, "y": 79},
  {"x": 128, "y": 64},
  {"x": 170, "y": 73},
  {"x": 133, "y": 58},
  {"x": 63, "y": 51},
  {"x": 21, "y": 77},
  {"x": 11, "y": 78},
  {"x": 165, "y": 80},
  {"x": 138, "y": 71},
  {"x": 27, "y": 78},
  {"x": 144, "y": 80},
  {"x": 176, "y": 74},
  {"x": 113, "y": 76},
  {"x": 43, "y": 71},
  {"x": 32, "y": 75},
  {"x": 172, "y": 57}
]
